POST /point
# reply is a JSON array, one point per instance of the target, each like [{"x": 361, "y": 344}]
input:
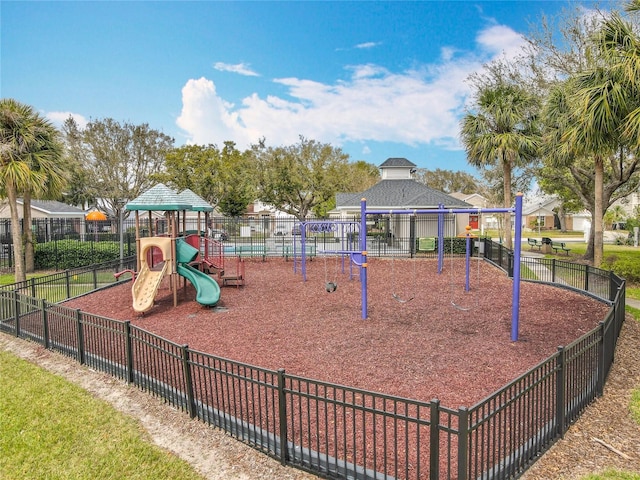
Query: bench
[
  {"x": 534, "y": 243},
  {"x": 560, "y": 246},
  {"x": 247, "y": 250}
]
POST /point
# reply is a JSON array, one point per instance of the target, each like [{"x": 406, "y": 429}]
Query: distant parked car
[
  {"x": 280, "y": 230},
  {"x": 219, "y": 234},
  {"x": 295, "y": 230}
]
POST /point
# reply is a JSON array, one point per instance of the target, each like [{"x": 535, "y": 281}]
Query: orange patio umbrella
[{"x": 95, "y": 216}]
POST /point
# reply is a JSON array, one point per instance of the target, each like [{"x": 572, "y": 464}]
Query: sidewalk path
[
  {"x": 539, "y": 268},
  {"x": 633, "y": 303}
]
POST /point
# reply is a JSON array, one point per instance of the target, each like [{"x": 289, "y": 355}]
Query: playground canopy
[{"x": 160, "y": 198}]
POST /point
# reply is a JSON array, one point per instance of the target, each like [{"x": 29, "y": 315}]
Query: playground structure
[
  {"x": 146, "y": 283},
  {"x": 167, "y": 255},
  {"x": 358, "y": 257}
]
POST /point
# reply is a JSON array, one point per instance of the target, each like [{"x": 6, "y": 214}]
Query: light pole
[{"x": 538, "y": 220}]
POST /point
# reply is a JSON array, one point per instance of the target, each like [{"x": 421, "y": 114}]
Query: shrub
[
  {"x": 628, "y": 268},
  {"x": 66, "y": 254}
]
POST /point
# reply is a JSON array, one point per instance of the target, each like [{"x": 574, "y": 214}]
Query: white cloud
[
  {"x": 367, "y": 45},
  {"x": 58, "y": 118},
  {"x": 239, "y": 68},
  {"x": 499, "y": 39},
  {"x": 416, "y": 107},
  {"x": 206, "y": 117}
]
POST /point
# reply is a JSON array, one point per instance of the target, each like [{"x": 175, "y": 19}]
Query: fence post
[
  {"x": 561, "y": 382},
  {"x": 95, "y": 278},
  {"x": 463, "y": 443},
  {"x": 613, "y": 289},
  {"x": 56, "y": 254},
  {"x": 434, "y": 440},
  {"x": 16, "y": 311},
  {"x": 80, "y": 335},
  {"x": 510, "y": 262},
  {"x": 188, "y": 382},
  {"x": 282, "y": 413},
  {"x": 553, "y": 270},
  {"x": 67, "y": 278},
  {"x": 601, "y": 351},
  {"x": 45, "y": 324},
  {"x": 33, "y": 287},
  {"x": 128, "y": 351},
  {"x": 586, "y": 278}
]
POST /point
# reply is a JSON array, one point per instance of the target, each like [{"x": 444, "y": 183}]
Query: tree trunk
[
  {"x": 506, "y": 172},
  {"x": 562, "y": 218},
  {"x": 29, "y": 248},
  {"x": 598, "y": 212},
  {"x": 16, "y": 234},
  {"x": 588, "y": 254}
]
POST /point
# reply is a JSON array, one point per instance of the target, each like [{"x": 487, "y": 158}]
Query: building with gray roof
[{"x": 397, "y": 190}]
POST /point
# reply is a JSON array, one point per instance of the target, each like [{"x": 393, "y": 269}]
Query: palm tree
[
  {"x": 620, "y": 45},
  {"x": 48, "y": 179},
  {"x": 607, "y": 109},
  {"x": 503, "y": 133},
  {"x": 29, "y": 151}
]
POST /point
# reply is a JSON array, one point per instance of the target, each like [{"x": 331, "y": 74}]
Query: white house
[{"x": 397, "y": 190}]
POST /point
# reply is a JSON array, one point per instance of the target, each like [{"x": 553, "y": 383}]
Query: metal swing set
[{"x": 358, "y": 257}]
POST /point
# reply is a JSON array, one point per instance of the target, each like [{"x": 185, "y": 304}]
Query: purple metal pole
[
  {"x": 303, "y": 256},
  {"x": 515, "y": 307},
  {"x": 363, "y": 259},
  {"x": 467, "y": 262},
  {"x": 440, "y": 238}
]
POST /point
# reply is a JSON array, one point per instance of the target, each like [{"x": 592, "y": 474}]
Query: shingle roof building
[{"x": 398, "y": 190}]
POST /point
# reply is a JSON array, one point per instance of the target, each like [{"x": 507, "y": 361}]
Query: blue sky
[{"x": 377, "y": 79}]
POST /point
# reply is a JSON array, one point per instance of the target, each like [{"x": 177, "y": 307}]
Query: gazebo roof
[
  {"x": 159, "y": 197},
  {"x": 198, "y": 204}
]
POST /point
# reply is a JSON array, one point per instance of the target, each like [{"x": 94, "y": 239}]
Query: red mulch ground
[{"x": 422, "y": 349}]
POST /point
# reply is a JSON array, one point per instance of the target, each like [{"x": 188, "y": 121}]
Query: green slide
[{"x": 207, "y": 289}]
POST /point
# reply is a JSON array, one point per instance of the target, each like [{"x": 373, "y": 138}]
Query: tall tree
[
  {"x": 600, "y": 168},
  {"x": 605, "y": 114},
  {"x": 224, "y": 177},
  {"x": 297, "y": 178},
  {"x": 48, "y": 181},
  {"x": 80, "y": 191},
  {"x": 569, "y": 63},
  {"x": 449, "y": 181},
  {"x": 29, "y": 152},
  {"x": 359, "y": 176},
  {"x": 122, "y": 159},
  {"x": 503, "y": 133}
]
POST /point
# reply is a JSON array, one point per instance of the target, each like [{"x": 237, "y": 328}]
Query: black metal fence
[
  {"x": 338, "y": 431},
  {"x": 73, "y": 282},
  {"x": 61, "y": 243}
]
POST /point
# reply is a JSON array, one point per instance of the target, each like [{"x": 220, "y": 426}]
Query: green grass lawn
[
  {"x": 9, "y": 278},
  {"x": 613, "y": 475},
  {"x": 50, "y": 428},
  {"x": 56, "y": 291}
]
